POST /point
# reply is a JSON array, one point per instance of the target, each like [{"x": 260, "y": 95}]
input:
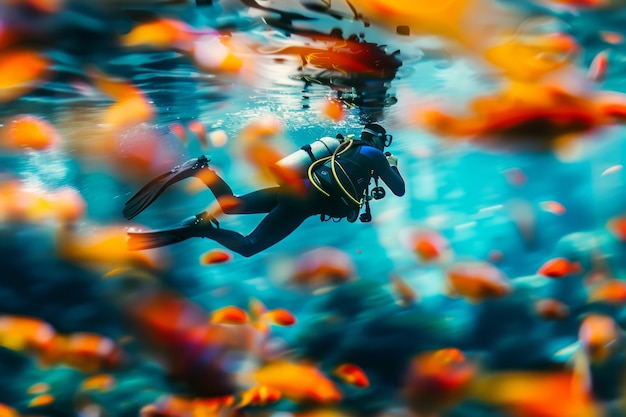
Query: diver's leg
[
  {"x": 276, "y": 226},
  {"x": 201, "y": 225},
  {"x": 215, "y": 183},
  {"x": 261, "y": 201},
  {"x": 286, "y": 211}
]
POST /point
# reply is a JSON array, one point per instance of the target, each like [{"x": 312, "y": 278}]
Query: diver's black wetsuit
[{"x": 286, "y": 209}]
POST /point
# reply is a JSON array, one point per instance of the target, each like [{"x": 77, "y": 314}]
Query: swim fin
[
  {"x": 151, "y": 191},
  {"x": 199, "y": 225},
  {"x": 149, "y": 240}
]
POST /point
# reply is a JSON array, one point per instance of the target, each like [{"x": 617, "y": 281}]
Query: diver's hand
[{"x": 392, "y": 159}]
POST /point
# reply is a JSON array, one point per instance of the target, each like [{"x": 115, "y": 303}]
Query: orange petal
[
  {"x": 68, "y": 205},
  {"x": 179, "y": 131},
  {"x": 612, "y": 291},
  {"x": 553, "y": 207},
  {"x": 617, "y": 226},
  {"x": 614, "y": 38},
  {"x": 256, "y": 308},
  {"x": 215, "y": 54},
  {"x": 129, "y": 112},
  {"x": 352, "y": 375},
  {"x": 198, "y": 129},
  {"x": 426, "y": 250},
  {"x": 551, "y": 309},
  {"x": 27, "y": 131},
  {"x": 41, "y": 400},
  {"x": 558, "y": 268},
  {"x": 38, "y": 388},
  {"x": 218, "y": 138},
  {"x": 6, "y": 411},
  {"x": 281, "y": 317},
  {"x": 405, "y": 293},
  {"x": 163, "y": 33},
  {"x": 598, "y": 68},
  {"x": 333, "y": 109},
  {"x": 102, "y": 382},
  {"x": 215, "y": 256},
  {"x": 229, "y": 315},
  {"x": 117, "y": 88},
  {"x": 20, "y": 72},
  {"x": 260, "y": 395}
]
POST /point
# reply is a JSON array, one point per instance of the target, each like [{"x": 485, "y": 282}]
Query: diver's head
[{"x": 376, "y": 135}]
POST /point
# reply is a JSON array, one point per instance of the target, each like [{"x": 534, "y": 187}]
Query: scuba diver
[{"x": 336, "y": 183}]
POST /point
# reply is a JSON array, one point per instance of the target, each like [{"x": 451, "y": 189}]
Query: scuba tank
[{"x": 300, "y": 160}]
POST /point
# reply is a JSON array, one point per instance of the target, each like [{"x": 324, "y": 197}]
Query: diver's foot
[
  {"x": 185, "y": 170},
  {"x": 190, "y": 167},
  {"x": 201, "y": 225}
]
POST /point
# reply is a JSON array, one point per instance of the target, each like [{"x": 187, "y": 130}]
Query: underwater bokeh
[{"x": 492, "y": 287}]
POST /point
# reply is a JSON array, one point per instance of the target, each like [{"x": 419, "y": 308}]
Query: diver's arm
[
  {"x": 382, "y": 168},
  {"x": 388, "y": 172}
]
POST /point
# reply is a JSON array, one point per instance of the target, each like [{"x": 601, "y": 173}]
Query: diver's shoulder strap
[{"x": 307, "y": 148}]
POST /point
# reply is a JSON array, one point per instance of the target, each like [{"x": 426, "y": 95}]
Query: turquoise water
[{"x": 458, "y": 186}]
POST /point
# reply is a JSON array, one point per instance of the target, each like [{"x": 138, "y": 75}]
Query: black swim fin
[
  {"x": 199, "y": 225},
  {"x": 151, "y": 191},
  {"x": 150, "y": 240}
]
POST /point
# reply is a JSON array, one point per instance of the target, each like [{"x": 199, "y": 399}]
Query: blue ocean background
[{"x": 455, "y": 187}]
